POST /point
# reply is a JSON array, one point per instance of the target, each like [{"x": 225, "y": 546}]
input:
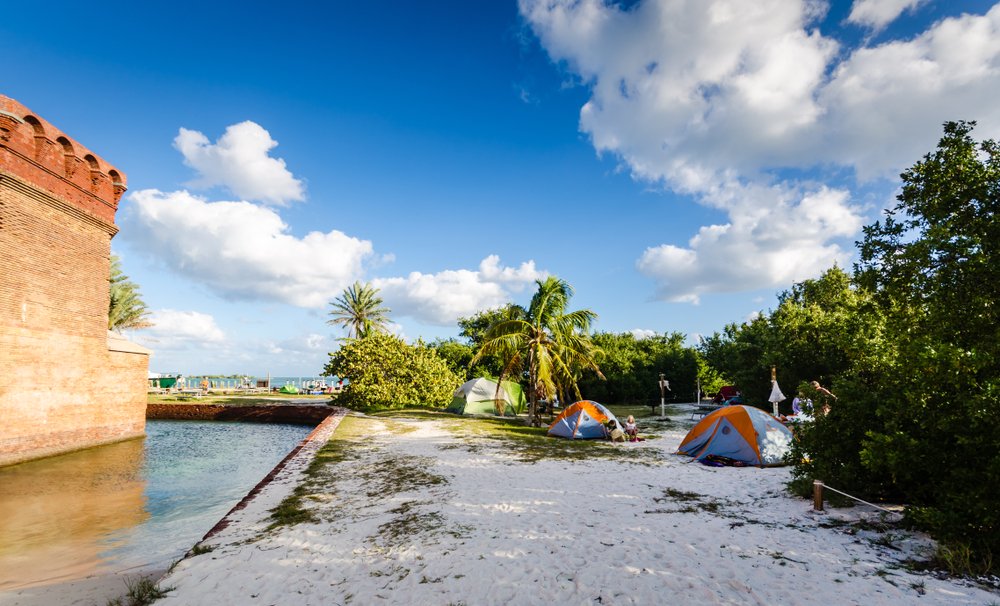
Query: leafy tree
[
  {"x": 545, "y": 339},
  {"x": 458, "y": 356},
  {"x": 475, "y": 328},
  {"x": 357, "y": 310},
  {"x": 632, "y": 368},
  {"x": 126, "y": 309},
  {"x": 934, "y": 266},
  {"x": 821, "y": 331},
  {"x": 382, "y": 371}
]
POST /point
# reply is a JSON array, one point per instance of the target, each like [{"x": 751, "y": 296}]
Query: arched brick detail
[
  {"x": 41, "y": 141},
  {"x": 69, "y": 156},
  {"x": 117, "y": 185}
]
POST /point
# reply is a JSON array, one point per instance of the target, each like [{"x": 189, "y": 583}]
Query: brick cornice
[
  {"x": 79, "y": 190},
  {"x": 41, "y": 154},
  {"x": 13, "y": 181}
]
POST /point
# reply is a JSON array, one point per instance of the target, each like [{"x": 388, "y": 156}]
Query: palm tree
[
  {"x": 546, "y": 338},
  {"x": 126, "y": 309},
  {"x": 358, "y": 310}
]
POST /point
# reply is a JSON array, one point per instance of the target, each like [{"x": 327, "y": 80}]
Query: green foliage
[
  {"x": 545, "y": 339},
  {"x": 823, "y": 330},
  {"x": 934, "y": 264},
  {"x": 475, "y": 328},
  {"x": 358, "y": 311},
  {"x": 126, "y": 309},
  {"x": 459, "y": 358},
  {"x": 632, "y": 368},
  {"x": 919, "y": 393},
  {"x": 384, "y": 372},
  {"x": 141, "y": 592}
]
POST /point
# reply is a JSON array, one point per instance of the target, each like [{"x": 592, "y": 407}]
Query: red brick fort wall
[{"x": 61, "y": 388}]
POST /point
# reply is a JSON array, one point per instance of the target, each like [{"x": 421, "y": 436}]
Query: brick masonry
[
  {"x": 62, "y": 388},
  {"x": 288, "y": 414}
]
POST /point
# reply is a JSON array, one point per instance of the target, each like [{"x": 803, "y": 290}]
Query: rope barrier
[{"x": 861, "y": 500}]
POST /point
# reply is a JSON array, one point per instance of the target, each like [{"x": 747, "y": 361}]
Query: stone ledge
[{"x": 281, "y": 413}]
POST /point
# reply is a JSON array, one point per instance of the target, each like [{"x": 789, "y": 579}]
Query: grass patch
[
  {"x": 200, "y": 549},
  {"x": 693, "y": 500},
  {"x": 960, "y": 559},
  {"x": 531, "y": 444},
  {"x": 380, "y": 479},
  {"x": 413, "y": 412},
  {"x": 140, "y": 592},
  {"x": 678, "y": 495},
  {"x": 291, "y": 511}
]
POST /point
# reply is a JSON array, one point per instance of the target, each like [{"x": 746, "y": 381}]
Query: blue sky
[{"x": 678, "y": 162}]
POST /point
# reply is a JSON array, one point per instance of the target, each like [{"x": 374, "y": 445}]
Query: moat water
[{"x": 136, "y": 504}]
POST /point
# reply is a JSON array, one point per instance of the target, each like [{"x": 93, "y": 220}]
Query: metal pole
[
  {"x": 697, "y": 399},
  {"x": 818, "y": 495}
]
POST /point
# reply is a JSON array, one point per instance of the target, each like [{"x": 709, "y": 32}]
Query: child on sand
[
  {"x": 630, "y": 428},
  {"x": 614, "y": 433}
]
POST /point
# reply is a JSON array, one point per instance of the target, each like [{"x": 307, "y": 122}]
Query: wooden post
[
  {"x": 818, "y": 495},
  {"x": 663, "y": 398}
]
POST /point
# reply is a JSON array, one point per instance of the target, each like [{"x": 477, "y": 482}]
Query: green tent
[
  {"x": 289, "y": 389},
  {"x": 476, "y": 397}
]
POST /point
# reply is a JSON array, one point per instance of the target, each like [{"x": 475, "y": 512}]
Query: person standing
[{"x": 823, "y": 392}]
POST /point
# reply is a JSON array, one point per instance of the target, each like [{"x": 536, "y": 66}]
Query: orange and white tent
[
  {"x": 584, "y": 419},
  {"x": 742, "y": 433}
]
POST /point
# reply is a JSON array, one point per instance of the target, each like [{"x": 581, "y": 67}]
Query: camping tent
[
  {"x": 476, "y": 396},
  {"x": 289, "y": 389},
  {"x": 743, "y": 433},
  {"x": 582, "y": 420}
]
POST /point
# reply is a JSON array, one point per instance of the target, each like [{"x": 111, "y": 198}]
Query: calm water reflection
[{"x": 142, "y": 502}]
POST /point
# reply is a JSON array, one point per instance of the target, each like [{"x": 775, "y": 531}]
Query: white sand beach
[{"x": 420, "y": 513}]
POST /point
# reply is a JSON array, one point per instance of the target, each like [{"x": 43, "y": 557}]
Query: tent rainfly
[
  {"x": 584, "y": 419},
  {"x": 477, "y": 397},
  {"x": 743, "y": 433}
]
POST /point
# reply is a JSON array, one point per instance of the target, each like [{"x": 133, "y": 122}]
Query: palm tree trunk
[{"x": 533, "y": 393}]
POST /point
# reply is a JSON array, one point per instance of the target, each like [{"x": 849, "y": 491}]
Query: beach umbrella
[{"x": 776, "y": 396}]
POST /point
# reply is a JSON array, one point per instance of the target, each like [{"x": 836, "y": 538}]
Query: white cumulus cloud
[
  {"x": 715, "y": 98},
  {"x": 440, "y": 299},
  {"x": 490, "y": 270},
  {"x": 775, "y": 236},
  {"x": 242, "y": 251},
  {"x": 642, "y": 333},
  {"x": 879, "y": 13},
  {"x": 176, "y": 330},
  {"x": 239, "y": 160}
]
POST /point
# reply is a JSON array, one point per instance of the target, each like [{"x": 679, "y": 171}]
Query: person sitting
[
  {"x": 799, "y": 402},
  {"x": 631, "y": 430},
  {"x": 615, "y": 434}
]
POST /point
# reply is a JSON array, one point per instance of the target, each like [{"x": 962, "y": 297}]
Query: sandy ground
[
  {"x": 428, "y": 517},
  {"x": 81, "y": 592}
]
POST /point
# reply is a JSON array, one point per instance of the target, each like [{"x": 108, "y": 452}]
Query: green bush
[
  {"x": 384, "y": 372},
  {"x": 918, "y": 419}
]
